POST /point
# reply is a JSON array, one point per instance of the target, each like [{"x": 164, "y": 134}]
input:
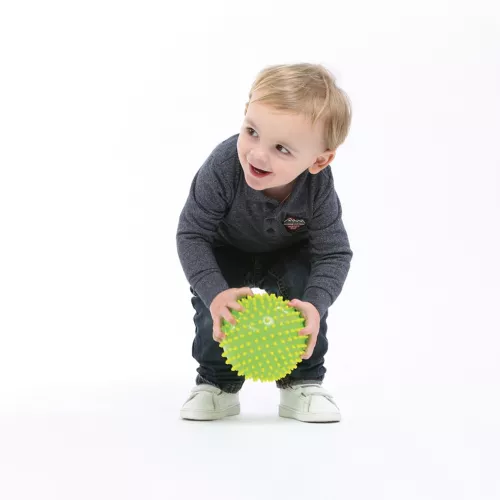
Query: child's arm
[
  {"x": 329, "y": 248},
  {"x": 209, "y": 198}
]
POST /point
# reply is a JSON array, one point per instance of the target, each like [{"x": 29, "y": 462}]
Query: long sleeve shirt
[{"x": 221, "y": 209}]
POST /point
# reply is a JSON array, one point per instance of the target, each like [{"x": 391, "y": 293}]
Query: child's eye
[
  {"x": 285, "y": 150},
  {"x": 252, "y": 133}
]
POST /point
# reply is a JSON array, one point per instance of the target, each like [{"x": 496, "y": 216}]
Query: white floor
[{"x": 130, "y": 444}]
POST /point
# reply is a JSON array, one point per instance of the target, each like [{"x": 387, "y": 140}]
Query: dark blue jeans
[{"x": 284, "y": 273}]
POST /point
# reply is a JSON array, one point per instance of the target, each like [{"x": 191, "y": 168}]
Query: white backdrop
[{"x": 107, "y": 109}]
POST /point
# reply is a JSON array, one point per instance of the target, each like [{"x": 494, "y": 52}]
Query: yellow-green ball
[{"x": 265, "y": 344}]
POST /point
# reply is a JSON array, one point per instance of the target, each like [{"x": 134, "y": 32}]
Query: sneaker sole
[
  {"x": 210, "y": 415},
  {"x": 286, "y": 412}
]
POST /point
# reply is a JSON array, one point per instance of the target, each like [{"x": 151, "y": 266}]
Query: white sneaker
[
  {"x": 207, "y": 402},
  {"x": 308, "y": 403}
]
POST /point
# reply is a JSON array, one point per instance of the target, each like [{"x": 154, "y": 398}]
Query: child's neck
[{"x": 280, "y": 193}]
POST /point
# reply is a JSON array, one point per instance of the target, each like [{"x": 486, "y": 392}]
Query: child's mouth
[{"x": 257, "y": 172}]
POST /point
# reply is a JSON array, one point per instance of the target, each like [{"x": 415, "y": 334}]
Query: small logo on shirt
[{"x": 292, "y": 224}]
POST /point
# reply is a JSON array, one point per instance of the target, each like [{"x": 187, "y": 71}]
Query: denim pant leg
[
  {"x": 287, "y": 276},
  {"x": 236, "y": 267}
]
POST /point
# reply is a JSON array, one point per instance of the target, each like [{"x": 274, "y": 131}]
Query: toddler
[{"x": 263, "y": 212}]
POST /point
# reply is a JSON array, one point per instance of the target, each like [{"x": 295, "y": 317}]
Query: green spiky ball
[{"x": 265, "y": 344}]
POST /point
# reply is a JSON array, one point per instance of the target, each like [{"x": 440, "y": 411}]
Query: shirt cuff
[
  {"x": 209, "y": 287},
  {"x": 319, "y": 298}
]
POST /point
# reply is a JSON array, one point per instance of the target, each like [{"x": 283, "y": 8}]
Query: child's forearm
[
  {"x": 326, "y": 280},
  {"x": 200, "y": 266}
]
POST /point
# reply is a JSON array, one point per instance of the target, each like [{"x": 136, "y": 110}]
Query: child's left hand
[{"x": 312, "y": 318}]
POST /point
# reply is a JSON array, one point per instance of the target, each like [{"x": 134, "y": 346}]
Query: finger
[
  {"x": 226, "y": 314},
  {"x": 243, "y": 292},
  {"x": 297, "y": 304},
  {"x": 306, "y": 331},
  {"x": 310, "y": 348},
  {"x": 217, "y": 333},
  {"x": 235, "y": 306}
]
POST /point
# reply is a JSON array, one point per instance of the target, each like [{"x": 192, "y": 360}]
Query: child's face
[{"x": 282, "y": 144}]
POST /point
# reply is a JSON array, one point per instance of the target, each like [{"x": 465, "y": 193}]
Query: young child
[{"x": 262, "y": 212}]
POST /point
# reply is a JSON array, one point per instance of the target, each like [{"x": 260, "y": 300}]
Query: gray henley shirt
[{"x": 221, "y": 209}]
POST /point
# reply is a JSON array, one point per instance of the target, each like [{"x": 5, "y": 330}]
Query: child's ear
[{"x": 322, "y": 161}]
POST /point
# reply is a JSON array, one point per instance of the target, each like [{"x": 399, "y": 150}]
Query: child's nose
[{"x": 258, "y": 159}]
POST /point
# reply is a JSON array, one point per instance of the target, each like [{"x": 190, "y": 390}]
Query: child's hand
[
  {"x": 219, "y": 308},
  {"x": 312, "y": 317}
]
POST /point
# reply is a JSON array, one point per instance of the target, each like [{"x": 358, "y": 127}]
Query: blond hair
[{"x": 308, "y": 89}]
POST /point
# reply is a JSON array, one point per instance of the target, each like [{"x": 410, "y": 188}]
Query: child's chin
[
  {"x": 255, "y": 187},
  {"x": 254, "y": 183}
]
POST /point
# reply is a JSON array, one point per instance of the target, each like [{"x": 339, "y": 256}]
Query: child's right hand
[{"x": 219, "y": 308}]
